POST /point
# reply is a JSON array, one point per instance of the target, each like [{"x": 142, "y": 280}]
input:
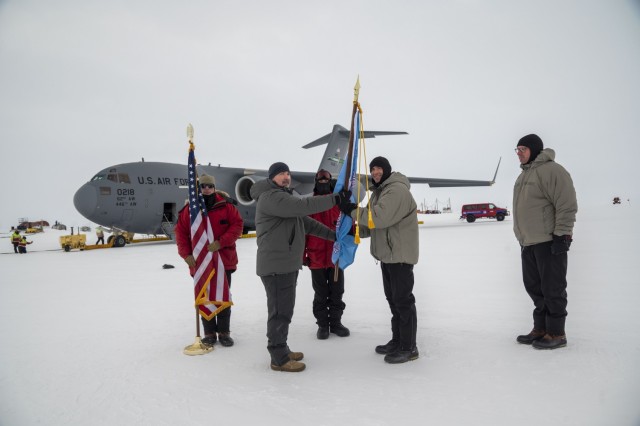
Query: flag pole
[
  {"x": 197, "y": 347},
  {"x": 347, "y": 175}
]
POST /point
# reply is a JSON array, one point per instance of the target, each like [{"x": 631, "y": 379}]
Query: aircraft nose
[{"x": 86, "y": 200}]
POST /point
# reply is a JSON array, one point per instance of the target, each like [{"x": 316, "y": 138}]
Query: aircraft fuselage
[{"x": 145, "y": 197}]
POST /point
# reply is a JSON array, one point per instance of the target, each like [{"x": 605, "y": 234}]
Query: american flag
[{"x": 209, "y": 281}]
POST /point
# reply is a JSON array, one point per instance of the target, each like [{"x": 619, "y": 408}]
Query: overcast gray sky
[{"x": 88, "y": 84}]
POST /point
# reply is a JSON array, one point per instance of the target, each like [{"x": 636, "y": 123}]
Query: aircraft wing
[{"x": 451, "y": 183}]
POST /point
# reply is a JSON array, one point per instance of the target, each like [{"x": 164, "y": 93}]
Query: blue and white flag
[{"x": 344, "y": 248}]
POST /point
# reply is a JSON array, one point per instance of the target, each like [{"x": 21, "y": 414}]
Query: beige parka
[{"x": 544, "y": 201}]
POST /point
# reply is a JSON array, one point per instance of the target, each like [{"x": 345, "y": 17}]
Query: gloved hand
[
  {"x": 306, "y": 261},
  {"x": 191, "y": 261},
  {"x": 347, "y": 208},
  {"x": 561, "y": 244},
  {"x": 343, "y": 196},
  {"x": 214, "y": 246}
]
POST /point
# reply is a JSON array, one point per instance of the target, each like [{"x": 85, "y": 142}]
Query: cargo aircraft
[{"x": 145, "y": 197}]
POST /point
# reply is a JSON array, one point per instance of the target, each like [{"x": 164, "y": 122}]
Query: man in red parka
[
  {"x": 327, "y": 301},
  {"x": 226, "y": 224}
]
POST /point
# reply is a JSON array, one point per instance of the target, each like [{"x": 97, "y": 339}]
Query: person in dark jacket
[
  {"x": 281, "y": 225},
  {"x": 545, "y": 207},
  {"x": 226, "y": 224},
  {"x": 328, "y": 306},
  {"x": 395, "y": 243}
]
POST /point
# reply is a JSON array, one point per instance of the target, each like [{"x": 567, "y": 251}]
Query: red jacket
[
  {"x": 226, "y": 224},
  {"x": 317, "y": 251}
]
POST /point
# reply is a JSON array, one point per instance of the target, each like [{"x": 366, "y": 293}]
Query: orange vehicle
[{"x": 471, "y": 212}]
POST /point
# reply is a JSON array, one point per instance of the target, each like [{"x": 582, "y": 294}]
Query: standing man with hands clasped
[
  {"x": 545, "y": 207},
  {"x": 226, "y": 224},
  {"x": 328, "y": 306},
  {"x": 281, "y": 225}
]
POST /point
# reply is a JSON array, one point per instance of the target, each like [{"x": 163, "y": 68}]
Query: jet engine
[{"x": 243, "y": 188}]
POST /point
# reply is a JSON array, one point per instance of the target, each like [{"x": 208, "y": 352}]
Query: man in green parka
[
  {"x": 395, "y": 244},
  {"x": 281, "y": 225},
  {"x": 545, "y": 206}
]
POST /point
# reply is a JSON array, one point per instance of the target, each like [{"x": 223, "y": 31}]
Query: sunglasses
[{"x": 207, "y": 185}]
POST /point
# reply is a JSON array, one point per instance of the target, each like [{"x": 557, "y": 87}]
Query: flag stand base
[{"x": 197, "y": 348}]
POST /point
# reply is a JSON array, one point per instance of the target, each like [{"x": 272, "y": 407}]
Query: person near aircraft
[
  {"x": 545, "y": 207},
  {"x": 100, "y": 235},
  {"x": 328, "y": 306},
  {"x": 282, "y": 222},
  {"x": 394, "y": 242},
  {"x": 15, "y": 240},
  {"x": 226, "y": 224},
  {"x": 22, "y": 245}
]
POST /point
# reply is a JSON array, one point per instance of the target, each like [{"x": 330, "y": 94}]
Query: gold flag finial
[
  {"x": 190, "y": 132},
  {"x": 356, "y": 90}
]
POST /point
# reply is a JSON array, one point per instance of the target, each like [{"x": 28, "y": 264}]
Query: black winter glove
[
  {"x": 343, "y": 197},
  {"x": 561, "y": 244},
  {"x": 347, "y": 208}
]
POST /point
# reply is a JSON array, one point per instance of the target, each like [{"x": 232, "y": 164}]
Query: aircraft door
[{"x": 169, "y": 213}]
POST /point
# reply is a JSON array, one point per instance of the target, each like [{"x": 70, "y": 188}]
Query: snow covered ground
[{"x": 96, "y": 337}]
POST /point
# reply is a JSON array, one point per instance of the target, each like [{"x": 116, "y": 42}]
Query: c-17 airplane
[{"x": 145, "y": 197}]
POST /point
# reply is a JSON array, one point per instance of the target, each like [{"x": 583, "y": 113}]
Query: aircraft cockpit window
[
  {"x": 98, "y": 177},
  {"x": 124, "y": 178},
  {"x": 112, "y": 177}
]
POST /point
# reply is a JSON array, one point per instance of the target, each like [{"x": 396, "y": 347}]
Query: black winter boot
[
  {"x": 527, "y": 339},
  {"x": 551, "y": 341},
  {"x": 225, "y": 339},
  {"x": 338, "y": 329},
  {"x": 209, "y": 339},
  {"x": 391, "y": 347},
  {"x": 323, "y": 333},
  {"x": 402, "y": 356}
]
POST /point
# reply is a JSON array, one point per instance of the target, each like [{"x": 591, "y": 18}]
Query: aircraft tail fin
[{"x": 337, "y": 144}]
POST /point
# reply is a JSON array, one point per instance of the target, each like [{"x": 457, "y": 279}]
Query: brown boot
[
  {"x": 551, "y": 341},
  {"x": 527, "y": 339},
  {"x": 296, "y": 356},
  {"x": 290, "y": 366}
]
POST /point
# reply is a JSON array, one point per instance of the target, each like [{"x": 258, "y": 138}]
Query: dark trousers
[
  {"x": 327, "y": 300},
  {"x": 22, "y": 250},
  {"x": 221, "y": 322},
  {"x": 15, "y": 247},
  {"x": 281, "y": 299},
  {"x": 100, "y": 239},
  {"x": 545, "y": 279},
  {"x": 397, "y": 279}
]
